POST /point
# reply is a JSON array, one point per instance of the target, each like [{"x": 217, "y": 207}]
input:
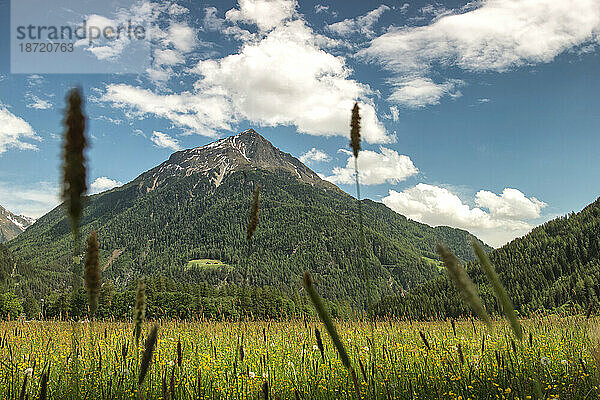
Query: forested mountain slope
[
  {"x": 556, "y": 265},
  {"x": 195, "y": 206}
]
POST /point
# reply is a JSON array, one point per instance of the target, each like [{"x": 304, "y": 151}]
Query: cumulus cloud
[
  {"x": 490, "y": 35},
  {"x": 511, "y": 204},
  {"x": 213, "y": 23},
  {"x": 375, "y": 168},
  {"x": 104, "y": 183},
  {"x": 281, "y": 75},
  {"x": 14, "y": 130},
  {"x": 287, "y": 79},
  {"x": 181, "y": 36},
  {"x": 314, "y": 155},
  {"x": 265, "y": 14},
  {"x": 165, "y": 141},
  {"x": 507, "y": 215},
  {"x": 201, "y": 113},
  {"x": 362, "y": 24},
  {"x": 420, "y": 92}
]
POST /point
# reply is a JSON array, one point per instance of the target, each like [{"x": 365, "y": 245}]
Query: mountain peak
[
  {"x": 247, "y": 150},
  {"x": 12, "y": 225},
  {"x": 249, "y": 132}
]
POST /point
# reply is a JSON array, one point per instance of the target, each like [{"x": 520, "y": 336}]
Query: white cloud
[
  {"x": 182, "y": 37},
  {"x": 507, "y": 217},
  {"x": 34, "y": 80},
  {"x": 168, "y": 57},
  {"x": 281, "y": 76},
  {"x": 362, "y": 24},
  {"x": 111, "y": 50},
  {"x": 387, "y": 166},
  {"x": 314, "y": 155},
  {"x": 32, "y": 201},
  {"x": 201, "y": 113},
  {"x": 13, "y": 130},
  {"x": 511, "y": 204},
  {"x": 488, "y": 35},
  {"x": 214, "y": 23},
  {"x": 395, "y": 113},
  {"x": 37, "y": 103},
  {"x": 265, "y": 14},
  {"x": 176, "y": 9},
  {"x": 104, "y": 183},
  {"x": 165, "y": 141},
  {"x": 419, "y": 92},
  {"x": 287, "y": 79},
  {"x": 172, "y": 45},
  {"x": 319, "y": 8}
]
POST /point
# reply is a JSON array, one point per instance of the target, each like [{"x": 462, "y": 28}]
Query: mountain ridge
[
  {"x": 195, "y": 206},
  {"x": 217, "y": 160},
  {"x": 554, "y": 267},
  {"x": 12, "y": 225}
]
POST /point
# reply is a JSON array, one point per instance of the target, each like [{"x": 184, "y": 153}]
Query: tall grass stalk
[
  {"x": 148, "y": 352},
  {"x": 355, "y": 140},
  {"x": 74, "y": 185},
  {"x": 463, "y": 283},
  {"x": 499, "y": 290},
  {"x": 139, "y": 312},
  {"x": 92, "y": 276},
  {"x": 326, "y": 319}
]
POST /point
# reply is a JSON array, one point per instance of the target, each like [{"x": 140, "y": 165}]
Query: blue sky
[{"x": 481, "y": 115}]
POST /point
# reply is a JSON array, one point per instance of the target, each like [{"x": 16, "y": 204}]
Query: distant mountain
[
  {"x": 12, "y": 225},
  {"x": 555, "y": 266},
  {"x": 195, "y": 206},
  {"x": 218, "y": 160}
]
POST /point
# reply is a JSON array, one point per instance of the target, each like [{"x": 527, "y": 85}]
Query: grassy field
[
  {"x": 436, "y": 263},
  {"x": 393, "y": 360},
  {"x": 206, "y": 263}
]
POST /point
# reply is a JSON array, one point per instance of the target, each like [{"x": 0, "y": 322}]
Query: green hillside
[
  {"x": 554, "y": 267},
  {"x": 159, "y": 222}
]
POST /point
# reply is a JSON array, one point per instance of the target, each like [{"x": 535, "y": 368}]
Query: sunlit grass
[{"x": 558, "y": 363}]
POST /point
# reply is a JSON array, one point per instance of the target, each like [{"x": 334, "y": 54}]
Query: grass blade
[
  {"x": 463, "y": 283},
  {"x": 499, "y": 290},
  {"x": 326, "y": 319}
]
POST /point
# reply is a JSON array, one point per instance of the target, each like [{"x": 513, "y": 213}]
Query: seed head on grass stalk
[
  {"x": 463, "y": 283},
  {"x": 355, "y": 145},
  {"x": 320, "y": 343},
  {"x": 139, "y": 311},
  {"x": 355, "y": 130},
  {"x": 147, "y": 356},
  {"x": 326, "y": 319},
  {"x": 74, "y": 184},
  {"x": 253, "y": 217},
  {"x": 499, "y": 290},
  {"x": 92, "y": 275}
]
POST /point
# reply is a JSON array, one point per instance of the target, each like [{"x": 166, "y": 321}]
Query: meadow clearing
[{"x": 205, "y": 359}]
